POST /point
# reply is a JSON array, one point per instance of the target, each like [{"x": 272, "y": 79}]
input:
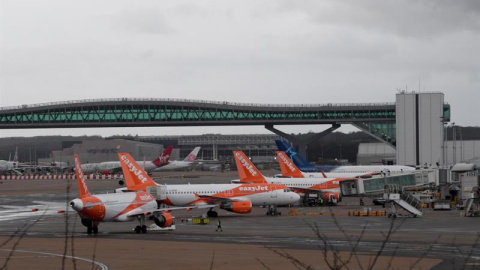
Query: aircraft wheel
[
  {"x": 138, "y": 229},
  {"x": 390, "y": 215},
  {"x": 211, "y": 213},
  {"x": 144, "y": 228},
  {"x": 89, "y": 229},
  {"x": 95, "y": 229}
]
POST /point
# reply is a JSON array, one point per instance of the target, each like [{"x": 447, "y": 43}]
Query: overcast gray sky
[{"x": 278, "y": 51}]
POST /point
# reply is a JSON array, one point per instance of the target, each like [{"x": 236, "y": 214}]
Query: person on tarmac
[{"x": 219, "y": 226}]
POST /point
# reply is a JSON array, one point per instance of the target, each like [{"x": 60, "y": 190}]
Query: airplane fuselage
[
  {"x": 259, "y": 195},
  {"x": 114, "y": 207}
]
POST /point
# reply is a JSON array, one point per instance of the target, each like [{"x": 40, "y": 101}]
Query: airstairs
[
  {"x": 397, "y": 196},
  {"x": 472, "y": 208}
]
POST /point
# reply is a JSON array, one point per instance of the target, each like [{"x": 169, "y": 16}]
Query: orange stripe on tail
[
  {"x": 246, "y": 170},
  {"x": 287, "y": 167},
  {"x": 135, "y": 177},
  {"x": 82, "y": 186}
]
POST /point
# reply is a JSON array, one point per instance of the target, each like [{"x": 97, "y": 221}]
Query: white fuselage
[
  {"x": 180, "y": 195},
  {"x": 6, "y": 165},
  {"x": 312, "y": 184},
  {"x": 174, "y": 165},
  {"x": 372, "y": 169},
  {"x": 89, "y": 168}
]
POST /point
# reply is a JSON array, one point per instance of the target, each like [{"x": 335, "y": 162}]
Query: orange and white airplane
[
  {"x": 237, "y": 198},
  {"x": 328, "y": 188},
  {"x": 94, "y": 209}
]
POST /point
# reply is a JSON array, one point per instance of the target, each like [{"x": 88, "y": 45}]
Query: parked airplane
[
  {"x": 237, "y": 198},
  {"x": 305, "y": 166},
  {"x": 289, "y": 169},
  {"x": 10, "y": 167},
  {"x": 94, "y": 209},
  {"x": 328, "y": 188},
  {"x": 111, "y": 167},
  {"x": 189, "y": 161}
]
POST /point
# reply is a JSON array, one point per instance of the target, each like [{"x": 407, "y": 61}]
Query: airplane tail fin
[
  {"x": 15, "y": 157},
  {"x": 246, "y": 170},
  {"x": 193, "y": 155},
  {"x": 292, "y": 154},
  {"x": 82, "y": 186},
  {"x": 164, "y": 158},
  {"x": 135, "y": 177},
  {"x": 287, "y": 167}
]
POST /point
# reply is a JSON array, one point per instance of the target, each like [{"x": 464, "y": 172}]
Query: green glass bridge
[{"x": 375, "y": 118}]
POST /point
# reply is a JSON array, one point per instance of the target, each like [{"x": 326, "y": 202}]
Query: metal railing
[
  {"x": 193, "y": 101},
  {"x": 406, "y": 196}
]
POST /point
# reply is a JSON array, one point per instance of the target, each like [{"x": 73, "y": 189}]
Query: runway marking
[{"x": 99, "y": 264}]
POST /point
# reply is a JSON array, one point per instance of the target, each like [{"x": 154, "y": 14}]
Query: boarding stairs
[
  {"x": 397, "y": 196},
  {"x": 472, "y": 206}
]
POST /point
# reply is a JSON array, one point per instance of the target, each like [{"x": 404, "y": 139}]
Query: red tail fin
[
  {"x": 246, "y": 169},
  {"x": 164, "y": 158},
  {"x": 82, "y": 186},
  {"x": 135, "y": 177},
  {"x": 287, "y": 167}
]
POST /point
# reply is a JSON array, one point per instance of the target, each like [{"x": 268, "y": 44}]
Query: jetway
[{"x": 376, "y": 184}]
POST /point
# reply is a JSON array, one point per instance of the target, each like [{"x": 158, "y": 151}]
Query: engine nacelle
[
  {"x": 241, "y": 207},
  {"x": 164, "y": 220}
]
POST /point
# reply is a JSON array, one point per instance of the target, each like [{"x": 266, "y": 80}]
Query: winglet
[
  {"x": 246, "y": 170},
  {"x": 193, "y": 155},
  {"x": 135, "y": 177},
  {"x": 82, "y": 186},
  {"x": 287, "y": 167},
  {"x": 164, "y": 158}
]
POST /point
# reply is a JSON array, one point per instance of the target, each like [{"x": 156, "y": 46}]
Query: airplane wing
[
  {"x": 215, "y": 199},
  {"x": 140, "y": 212}
]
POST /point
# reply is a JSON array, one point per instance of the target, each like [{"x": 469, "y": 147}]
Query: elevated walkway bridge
[{"x": 378, "y": 119}]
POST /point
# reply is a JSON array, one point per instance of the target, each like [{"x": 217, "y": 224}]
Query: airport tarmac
[{"x": 438, "y": 240}]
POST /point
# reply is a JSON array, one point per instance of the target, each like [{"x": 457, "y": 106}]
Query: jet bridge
[{"x": 376, "y": 185}]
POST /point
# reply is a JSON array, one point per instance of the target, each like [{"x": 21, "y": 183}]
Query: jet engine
[
  {"x": 164, "y": 220},
  {"x": 239, "y": 207}
]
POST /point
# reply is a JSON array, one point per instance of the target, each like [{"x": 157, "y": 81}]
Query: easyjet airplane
[
  {"x": 237, "y": 198},
  {"x": 328, "y": 188},
  {"x": 94, "y": 209},
  {"x": 110, "y": 167}
]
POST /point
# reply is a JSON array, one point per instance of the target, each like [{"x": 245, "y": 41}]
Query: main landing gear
[
  {"x": 142, "y": 228},
  {"x": 273, "y": 211},
  {"x": 212, "y": 213},
  {"x": 92, "y": 227}
]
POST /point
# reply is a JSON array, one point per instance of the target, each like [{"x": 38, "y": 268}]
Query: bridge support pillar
[{"x": 302, "y": 142}]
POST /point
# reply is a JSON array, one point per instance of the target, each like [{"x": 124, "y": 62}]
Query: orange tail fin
[
  {"x": 246, "y": 170},
  {"x": 135, "y": 177},
  {"x": 287, "y": 167},
  {"x": 82, "y": 186}
]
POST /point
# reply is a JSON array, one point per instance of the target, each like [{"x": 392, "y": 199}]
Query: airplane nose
[
  {"x": 76, "y": 204},
  {"x": 294, "y": 197}
]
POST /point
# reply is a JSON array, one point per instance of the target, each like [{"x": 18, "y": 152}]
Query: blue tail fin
[{"x": 293, "y": 155}]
